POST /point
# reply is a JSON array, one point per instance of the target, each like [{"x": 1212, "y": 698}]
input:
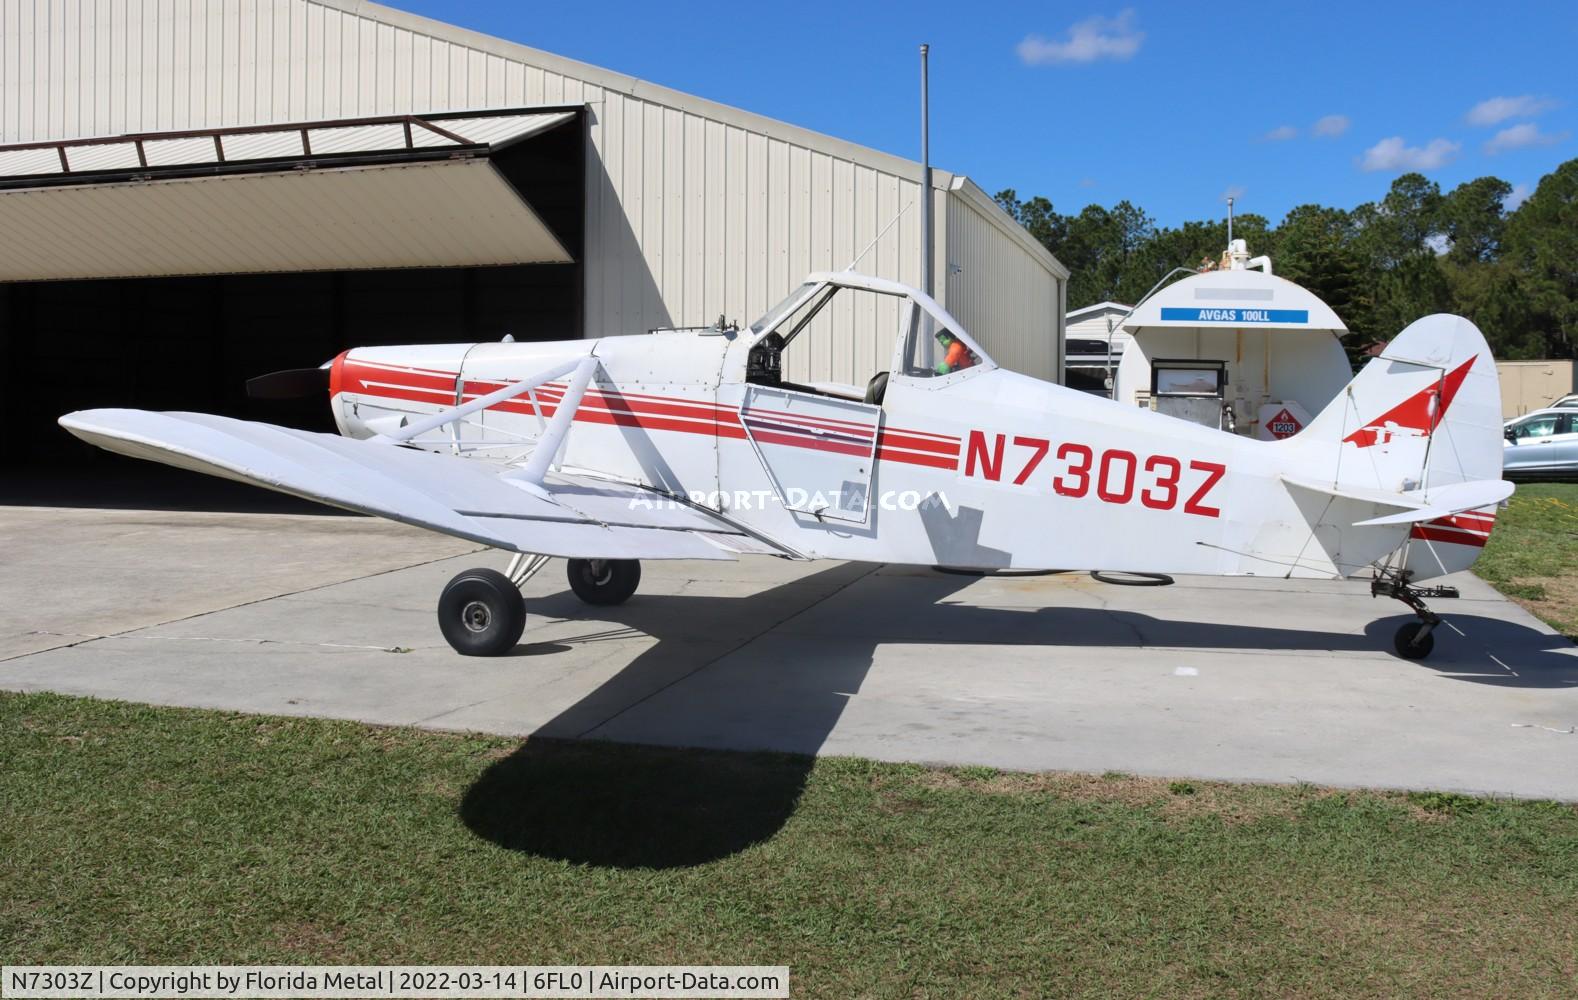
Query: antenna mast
[{"x": 925, "y": 195}]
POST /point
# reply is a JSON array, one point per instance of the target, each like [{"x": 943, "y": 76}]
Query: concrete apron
[{"x": 1234, "y": 679}]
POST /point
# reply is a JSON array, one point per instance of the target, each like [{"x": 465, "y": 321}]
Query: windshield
[
  {"x": 863, "y": 321},
  {"x": 776, "y": 313}
]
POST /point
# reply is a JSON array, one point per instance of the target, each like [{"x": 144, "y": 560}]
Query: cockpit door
[{"x": 818, "y": 450}]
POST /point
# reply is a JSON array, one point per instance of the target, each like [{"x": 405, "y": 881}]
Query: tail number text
[{"x": 1115, "y": 476}]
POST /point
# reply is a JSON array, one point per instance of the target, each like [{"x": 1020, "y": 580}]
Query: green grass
[
  {"x": 138, "y": 834},
  {"x": 1532, "y": 556}
]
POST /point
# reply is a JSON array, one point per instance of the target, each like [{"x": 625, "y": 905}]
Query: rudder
[{"x": 1423, "y": 415}]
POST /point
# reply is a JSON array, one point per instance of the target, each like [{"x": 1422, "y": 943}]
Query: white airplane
[{"x": 692, "y": 444}]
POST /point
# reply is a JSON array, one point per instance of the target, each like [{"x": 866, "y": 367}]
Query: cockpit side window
[
  {"x": 844, "y": 348},
  {"x": 931, "y": 349}
]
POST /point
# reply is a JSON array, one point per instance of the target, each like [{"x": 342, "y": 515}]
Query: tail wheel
[
  {"x": 481, "y": 613},
  {"x": 1406, "y": 645},
  {"x": 604, "y": 581}
]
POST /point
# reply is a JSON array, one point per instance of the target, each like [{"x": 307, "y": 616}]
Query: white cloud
[
  {"x": 1517, "y": 196},
  {"x": 1439, "y": 243},
  {"x": 1087, "y": 182},
  {"x": 1088, "y": 41},
  {"x": 1234, "y": 191},
  {"x": 1520, "y": 137},
  {"x": 1498, "y": 109},
  {"x": 1282, "y": 133},
  {"x": 1394, "y": 154},
  {"x": 1330, "y": 126}
]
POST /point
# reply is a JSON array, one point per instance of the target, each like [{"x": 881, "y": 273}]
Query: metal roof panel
[{"x": 441, "y": 213}]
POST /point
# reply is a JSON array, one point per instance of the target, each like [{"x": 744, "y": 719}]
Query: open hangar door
[{"x": 117, "y": 332}]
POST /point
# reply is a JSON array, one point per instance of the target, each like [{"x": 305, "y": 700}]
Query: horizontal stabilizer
[
  {"x": 1385, "y": 498},
  {"x": 1448, "y": 500}
]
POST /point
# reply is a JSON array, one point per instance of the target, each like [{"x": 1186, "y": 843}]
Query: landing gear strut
[
  {"x": 604, "y": 581},
  {"x": 1413, "y": 641},
  {"x": 481, "y": 612}
]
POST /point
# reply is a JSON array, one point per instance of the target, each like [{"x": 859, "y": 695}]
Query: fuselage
[{"x": 981, "y": 468}]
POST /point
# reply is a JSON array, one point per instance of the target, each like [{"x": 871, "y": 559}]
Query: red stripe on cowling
[
  {"x": 412, "y": 395},
  {"x": 355, "y": 377},
  {"x": 337, "y": 374}
]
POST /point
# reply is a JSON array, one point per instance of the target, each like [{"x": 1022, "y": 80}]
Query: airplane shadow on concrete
[
  {"x": 559, "y": 796},
  {"x": 562, "y": 797}
]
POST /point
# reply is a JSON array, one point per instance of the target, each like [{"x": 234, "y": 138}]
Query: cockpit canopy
[{"x": 928, "y": 342}]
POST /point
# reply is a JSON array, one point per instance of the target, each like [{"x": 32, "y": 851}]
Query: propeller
[{"x": 292, "y": 383}]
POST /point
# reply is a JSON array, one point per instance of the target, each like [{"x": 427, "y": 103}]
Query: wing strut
[
  {"x": 530, "y": 476},
  {"x": 553, "y": 435},
  {"x": 454, "y": 413}
]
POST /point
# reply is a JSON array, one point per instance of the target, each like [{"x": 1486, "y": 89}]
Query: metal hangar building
[{"x": 193, "y": 193}]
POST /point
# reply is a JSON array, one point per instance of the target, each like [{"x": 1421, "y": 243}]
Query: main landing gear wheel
[
  {"x": 604, "y": 581},
  {"x": 481, "y": 613},
  {"x": 1410, "y": 645}
]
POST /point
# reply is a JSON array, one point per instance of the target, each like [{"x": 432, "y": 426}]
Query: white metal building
[
  {"x": 1098, "y": 322},
  {"x": 627, "y": 206},
  {"x": 1093, "y": 343}
]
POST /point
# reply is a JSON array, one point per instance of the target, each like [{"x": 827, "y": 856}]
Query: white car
[
  {"x": 1542, "y": 444},
  {"x": 1569, "y": 402}
]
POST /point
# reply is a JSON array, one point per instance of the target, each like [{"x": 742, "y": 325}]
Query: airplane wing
[{"x": 562, "y": 515}]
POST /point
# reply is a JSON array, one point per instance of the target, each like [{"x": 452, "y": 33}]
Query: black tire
[
  {"x": 604, "y": 581},
  {"x": 481, "y": 613},
  {"x": 1120, "y": 578},
  {"x": 1404, "y": 643}
]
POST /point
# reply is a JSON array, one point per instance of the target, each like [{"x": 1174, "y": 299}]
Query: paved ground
[{"x": 1232, "y": 679}]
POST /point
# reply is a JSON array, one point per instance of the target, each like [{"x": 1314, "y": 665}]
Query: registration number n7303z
[{"x": 1111, "y": 475}]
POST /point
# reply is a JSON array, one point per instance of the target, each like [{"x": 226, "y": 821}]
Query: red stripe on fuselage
[
  {"x": 768, "y": 437},
  {"x": 666, "y": 413},
  {"x": 1473, "y": 522},
  {"x": 1449, "y": 535},
  {"x": 933, "y": 461},
  {"x": 906, "y": 439}
]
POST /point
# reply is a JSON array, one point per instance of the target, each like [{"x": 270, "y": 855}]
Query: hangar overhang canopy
[{"x": 398, "y": 191}]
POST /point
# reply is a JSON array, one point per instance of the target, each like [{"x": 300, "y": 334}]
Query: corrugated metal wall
[
  {"x": 1001, "y": 288},
  {"x": 694, "y": 209}
]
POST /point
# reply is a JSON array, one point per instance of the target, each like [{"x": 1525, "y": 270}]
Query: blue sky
[{"x": 1168, "y": 105}]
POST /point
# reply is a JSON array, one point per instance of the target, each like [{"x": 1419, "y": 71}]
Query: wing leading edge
[{"x": 578, "y": 517}]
